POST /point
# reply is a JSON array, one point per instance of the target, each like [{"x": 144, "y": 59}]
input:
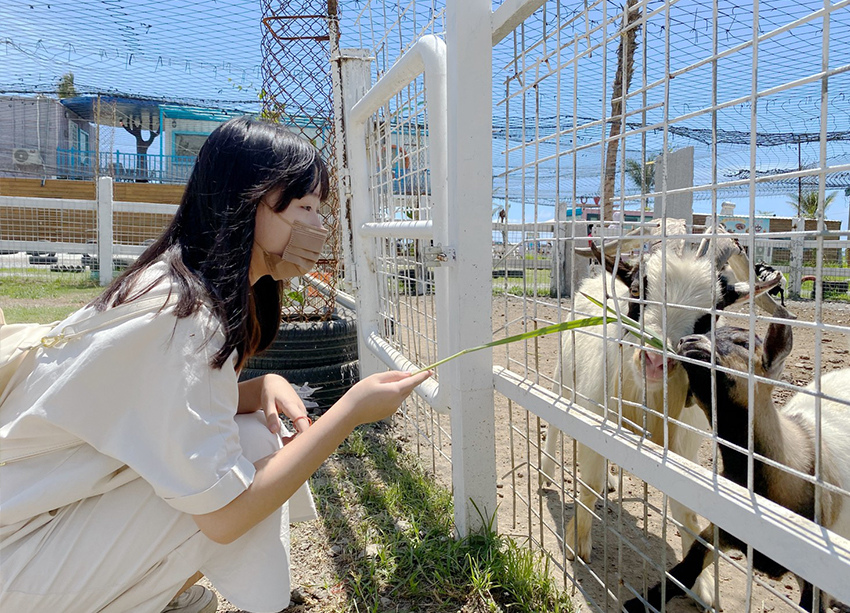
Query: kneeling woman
[{"x": 133, "y": 460}]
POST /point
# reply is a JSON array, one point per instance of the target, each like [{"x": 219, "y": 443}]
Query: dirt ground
[
  {"x": 636, "y": 524},
  {"x": 614, "y": 560}
]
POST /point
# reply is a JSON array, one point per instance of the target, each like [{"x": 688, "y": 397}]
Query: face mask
[{"x": 301, "y": 253}]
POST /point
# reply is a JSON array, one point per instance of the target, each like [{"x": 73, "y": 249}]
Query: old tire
[
  {"x": 318, "y": 353},
  {"x": 334, "y": 380},
  {"x": 307, "y": 344}
]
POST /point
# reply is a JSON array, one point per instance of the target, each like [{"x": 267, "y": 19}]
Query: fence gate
[
  {"x": 411, "y": 257},
  {"x": 486, "y": 145}
]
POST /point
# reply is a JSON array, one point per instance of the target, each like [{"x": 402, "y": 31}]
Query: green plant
[
  {"x": 641, "y": 174},
  {"x": 807, "y": 203},
  {"x": 393, "y": 523},
  {"x": 648, "y": 336},
  {"x": 45, "y": 298},
  {"x": 293, "y": 297},
  {"x": 66, "y": 88}
]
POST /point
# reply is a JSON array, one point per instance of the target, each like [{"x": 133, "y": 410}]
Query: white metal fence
[
  {"x": 529, "y": 124},
  {"x": 91, "y": 239}
]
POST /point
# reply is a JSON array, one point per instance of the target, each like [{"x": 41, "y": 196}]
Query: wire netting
[{"x": 298, "y": 39}]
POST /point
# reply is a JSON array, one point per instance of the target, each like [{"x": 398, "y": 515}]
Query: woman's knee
[{"x": 255, "y": 437}]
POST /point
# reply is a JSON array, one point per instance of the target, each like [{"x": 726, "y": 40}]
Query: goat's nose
[
  {"x": 656, "y": 360},
  {"x": 685, "y": 340}
]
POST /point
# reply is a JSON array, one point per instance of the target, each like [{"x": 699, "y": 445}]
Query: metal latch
[{"x": 437, "y": 255}]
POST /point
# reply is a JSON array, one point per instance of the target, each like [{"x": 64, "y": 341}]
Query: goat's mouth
[{"x": 653, "y": 365}]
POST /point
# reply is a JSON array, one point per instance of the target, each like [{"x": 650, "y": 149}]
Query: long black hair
[{"x": 208, "y": 244}]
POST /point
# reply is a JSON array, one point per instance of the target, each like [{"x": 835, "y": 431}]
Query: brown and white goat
[
  {"x": 785, "y": 435},
  {"x": 674, "y": 290}
]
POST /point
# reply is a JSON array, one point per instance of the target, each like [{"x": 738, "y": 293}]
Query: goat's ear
[
  {"x": 623, "y": 271},
  {"x": 777, "y": 346}
]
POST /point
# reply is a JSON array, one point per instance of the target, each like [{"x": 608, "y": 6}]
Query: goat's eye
[{"x": 703, "y": 324}]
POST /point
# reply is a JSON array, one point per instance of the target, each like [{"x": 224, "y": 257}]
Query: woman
[{"x": 155, "y": 465}]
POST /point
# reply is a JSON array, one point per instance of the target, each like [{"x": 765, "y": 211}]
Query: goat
[
  {"x": 764, "y": 271},
  {"x": 692, "y": 284},
  {"x": 784, "y": 435}
]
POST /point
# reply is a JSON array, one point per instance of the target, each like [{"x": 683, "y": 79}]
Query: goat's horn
[
  {"x": 704, "y": 246},
  {"x": 726, "y": 250},
  {"x": 725, "y": 245}
]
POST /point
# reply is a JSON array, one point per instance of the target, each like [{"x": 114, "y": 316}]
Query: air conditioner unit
[{"x": 27, "y": 157}]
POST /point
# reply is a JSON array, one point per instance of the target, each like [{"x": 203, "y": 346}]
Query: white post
[
  {"x": 470, "y": 378},
  {"x": 104, "y": 229},
  {"x": 355, "y": 81},
  {"x": 352, "y": 78},
  {"x": 798, "y": 225},
  {"x": 680, "y": 173}
]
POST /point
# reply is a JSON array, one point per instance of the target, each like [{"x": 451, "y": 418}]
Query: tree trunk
[
  {"x": 142, "y": 145},
  {"x": 622, "y": 80}
]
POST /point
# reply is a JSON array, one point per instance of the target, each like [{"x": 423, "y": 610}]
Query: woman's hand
[
  {"x": 280, "y": 474},
  {"x": 378, "y": 396},
  {"x": 274, "y": 395}
]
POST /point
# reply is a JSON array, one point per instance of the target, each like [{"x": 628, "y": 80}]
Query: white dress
[{"x": 140, "y": 433}]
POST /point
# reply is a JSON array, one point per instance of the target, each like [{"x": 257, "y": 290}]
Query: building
[
  {"x": 34, "y": 133},
  {"x": 47, "y": 138}
]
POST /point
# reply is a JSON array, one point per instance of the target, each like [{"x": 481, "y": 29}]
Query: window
[{"x": 188, "y": 144}]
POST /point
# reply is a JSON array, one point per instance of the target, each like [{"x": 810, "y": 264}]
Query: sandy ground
[
  {"x": 637, "y": 523},
  {"x": 633, "y": 520}
]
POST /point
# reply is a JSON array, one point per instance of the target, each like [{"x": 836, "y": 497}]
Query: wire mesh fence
[
  {"x": 605, "y": 124},
  {"x": 573, "y": 136},
  {"x": 397, "y": 143}
]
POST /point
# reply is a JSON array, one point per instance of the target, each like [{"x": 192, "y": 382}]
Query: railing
[
  {"x": 130, "y": 167},
  {"x": 45, "y": 235}
]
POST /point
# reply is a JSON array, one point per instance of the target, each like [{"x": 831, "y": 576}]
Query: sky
[{"x": 209, "y": 52}]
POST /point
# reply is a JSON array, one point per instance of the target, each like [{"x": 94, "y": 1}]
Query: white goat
[
  {"x": 601, "y": 371},
  {"x": 785, "y": 435}
]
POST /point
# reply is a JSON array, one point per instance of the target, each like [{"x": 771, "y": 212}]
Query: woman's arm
[{"x": 280, "y": 474}]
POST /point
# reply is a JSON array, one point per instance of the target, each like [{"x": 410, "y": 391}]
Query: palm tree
[
  {"x": 641, "y": 174},
  {"x": 807, "y": 203}
]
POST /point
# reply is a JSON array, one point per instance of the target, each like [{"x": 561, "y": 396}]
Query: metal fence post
[
  {"x": 104, "y": 230},
  {"x": 469, "y": 85},
  {"x": 355, "y": 81},
  {"x": 798, "y": 224},
  {"x": 351, "y": 79}
]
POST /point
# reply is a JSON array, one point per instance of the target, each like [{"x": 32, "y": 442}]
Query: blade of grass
[
  {"x": 567, "y": 325},
  {"x": 651, "y": 338}
]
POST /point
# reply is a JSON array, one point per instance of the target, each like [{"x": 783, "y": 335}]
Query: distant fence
[
  {"x": 87, "y": 228},
  {"x": 132, "y": 167},
  {"x": 520, "y": 248}
]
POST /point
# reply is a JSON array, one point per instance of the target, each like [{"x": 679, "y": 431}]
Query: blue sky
[{"x": 209, "y": 51}]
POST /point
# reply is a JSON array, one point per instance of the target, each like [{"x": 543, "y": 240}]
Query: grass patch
[
  {"x": 533, "y": 282},
  {"x": 45, "y": 299},
  {"x": 394, "y": 526}
]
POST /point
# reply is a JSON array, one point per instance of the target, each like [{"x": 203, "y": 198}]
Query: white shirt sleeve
[{"x": 143, "y": 392}]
